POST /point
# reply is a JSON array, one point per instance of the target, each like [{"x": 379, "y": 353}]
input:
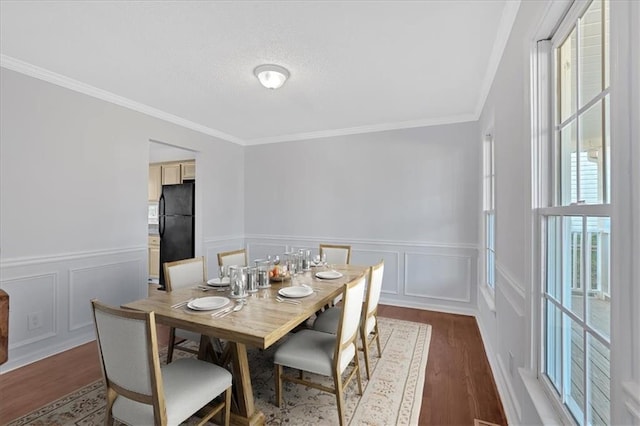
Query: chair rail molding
[
  {"x": 362, "y": 241},
  {"x": 64, "y": 257},
  {"x": 513, "y": 292}
]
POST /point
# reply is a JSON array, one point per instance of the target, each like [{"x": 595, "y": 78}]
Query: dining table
[{"x": 265, "y": 318}]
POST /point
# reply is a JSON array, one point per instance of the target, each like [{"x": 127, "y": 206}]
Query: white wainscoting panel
[
  {"x": 438, "y": 276},
  {"x": 419, "y": 275},
  {"x": 49, "y": 309},
  {"x": 512, "y": 340},
  {"x": 31, "y": 297},
  {"x": 109, "y": 283},
  {"x": 391, "y": 276}
]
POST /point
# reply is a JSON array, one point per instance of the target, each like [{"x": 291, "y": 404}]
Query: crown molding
[
  {"x": 399, "y": 125},
  {"x": 34, "y": 71},
  {"x": 60, "y": 80}
]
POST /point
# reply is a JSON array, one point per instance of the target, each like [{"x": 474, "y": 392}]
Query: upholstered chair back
[{"x": 184, "y": 273}]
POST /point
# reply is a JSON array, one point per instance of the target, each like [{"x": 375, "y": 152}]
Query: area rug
[{"x": 393, "y": 396}]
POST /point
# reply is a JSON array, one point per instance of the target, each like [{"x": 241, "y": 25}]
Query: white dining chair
[
  {"x": 180, "y": 274},
  {"x": 324, "y": 353},
  {"x": 329, "y": 320},
  {"x": 139, "y": 391},
  {"x": 231, "y": 258},
  {"x": 336, "y": 254}
]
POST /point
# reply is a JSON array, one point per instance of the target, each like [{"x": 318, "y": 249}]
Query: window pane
[
  {"x": 592, "y": 167},
  {"x": 567, "y": 74},
  {"x": 568, "y": 165},
  {"x": 553, "y": 352},
  {"x": 491, "y": 231},
  {"x": 591, "y": 53},
  {"x": 491, "y": 262},
  {"x": 599, "y": 382},
  {"x": 605, "y": 5},
  {"x": 607, "y": 151},
  {"x": 598, "y": 261},
  {"x": 554, "y": 257},
  {"x": 574, "y": 375},
  {"x": 573, "y": 283}
]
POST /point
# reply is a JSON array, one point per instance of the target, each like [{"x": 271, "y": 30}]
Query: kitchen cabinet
[
  {"x": 188, "y": 170},
  {"x": 154, "y": 256},
  {"x": 171, "y": 174},
  {"x": 155, "y": 182}
]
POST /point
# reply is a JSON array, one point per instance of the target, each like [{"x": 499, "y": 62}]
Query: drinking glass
[
  {"x": 292, "y": 264},
  {"x": 238, "y": 276}
]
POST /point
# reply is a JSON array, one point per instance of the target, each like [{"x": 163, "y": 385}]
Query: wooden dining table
[{"x": 262, "y": 322}]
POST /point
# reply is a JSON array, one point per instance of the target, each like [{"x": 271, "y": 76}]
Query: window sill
[{"x": 544, "y": 406}]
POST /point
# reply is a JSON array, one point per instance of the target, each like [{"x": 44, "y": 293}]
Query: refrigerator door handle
[
  {"x": 161, "y": 216},
  {"x": 161, "y": 205}
]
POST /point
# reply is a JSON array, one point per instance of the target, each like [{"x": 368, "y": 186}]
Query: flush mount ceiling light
[{"x": 271, "y": 76}]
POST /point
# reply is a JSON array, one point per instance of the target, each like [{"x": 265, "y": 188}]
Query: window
[
  {"x": 575, "y": 217},
  {"x": 489, "y": 212}
]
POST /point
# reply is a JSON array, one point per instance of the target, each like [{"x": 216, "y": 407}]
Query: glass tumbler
[{"x": 238, "y": 276}]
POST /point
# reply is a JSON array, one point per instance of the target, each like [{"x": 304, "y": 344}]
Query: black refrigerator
[{"x": 176, "y": 224}]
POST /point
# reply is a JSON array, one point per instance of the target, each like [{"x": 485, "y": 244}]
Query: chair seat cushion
[
  {"x": 189, "y": 384},
  {"x": 327, "y": 321},
  {"x": 312, "y": 351}
]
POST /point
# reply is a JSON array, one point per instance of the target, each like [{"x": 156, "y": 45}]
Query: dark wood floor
[{"x": 458, "y": 387}]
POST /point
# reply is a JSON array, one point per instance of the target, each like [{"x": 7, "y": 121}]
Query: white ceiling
[{"x": 355, "y": 66}]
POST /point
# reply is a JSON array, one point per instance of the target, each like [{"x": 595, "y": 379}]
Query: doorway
[{"x": 168, "y": 165}]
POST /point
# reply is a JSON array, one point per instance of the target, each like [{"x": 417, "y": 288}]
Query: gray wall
[
  {"x": 73, "y": 207},
  {"x": 504, "y": 319},
  {"x": 407, "y": 196}
]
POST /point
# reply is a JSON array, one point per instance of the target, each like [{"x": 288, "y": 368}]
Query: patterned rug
[{"x": 392, "y": 396}]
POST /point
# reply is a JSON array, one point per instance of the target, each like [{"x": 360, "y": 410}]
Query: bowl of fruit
[{"x": 278, "y": 274}]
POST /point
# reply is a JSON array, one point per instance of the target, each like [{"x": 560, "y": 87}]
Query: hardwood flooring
[{"x": 458, "y": 386}]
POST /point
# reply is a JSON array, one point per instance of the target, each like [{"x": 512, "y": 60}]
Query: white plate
[
  {"x": 295, "y": 291},
  {"x": 328, "y": 275},
  {"x": 216, "y": 282},
  {"x": 208, "y": 303}
]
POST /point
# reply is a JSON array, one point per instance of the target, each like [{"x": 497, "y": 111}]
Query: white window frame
[
  {"x": 543, "y": 193},
  {"x": 625, "y": 225},
  {"x": 489, "y": 211}
]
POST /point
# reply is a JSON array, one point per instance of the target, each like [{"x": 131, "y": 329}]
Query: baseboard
[
  {"x": 510, "y": 410},
  {"x": 30, "y": 358},
  {"x": 428, "y": 307}
]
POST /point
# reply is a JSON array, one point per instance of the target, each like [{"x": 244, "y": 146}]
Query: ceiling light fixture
[{"x": 271, "y": 76}]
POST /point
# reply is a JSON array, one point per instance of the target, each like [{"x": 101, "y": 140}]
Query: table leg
[{"x": 247, "y": 413}]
